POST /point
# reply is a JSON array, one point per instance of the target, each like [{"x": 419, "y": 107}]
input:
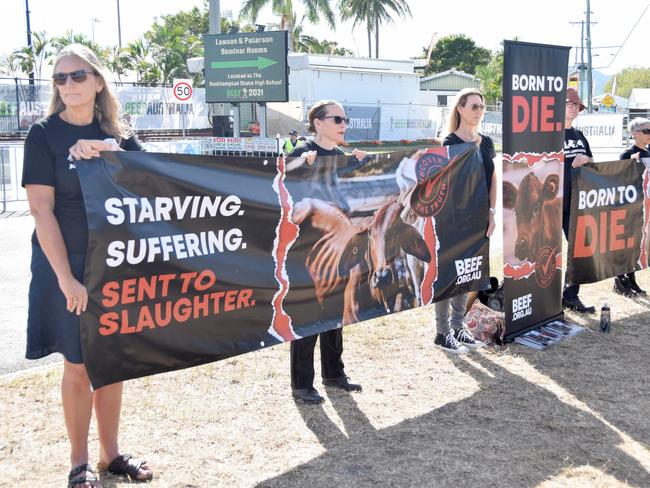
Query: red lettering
[
  {"x": 616, "y": 244},
  {"x": 520, "y": 124},
  {"x": 128, "y": 290},
  {"x": 111, "y": 294},
  {"x": 585, "y": 240},
  {"x": 206, "y": 275},
  {"x": 145, "y": 319},
  {"x": 547, "y": 114},
  {"x": 534, "y": 116},
  {"x": 108, "y": 322},
  {"x": 243, "y": 300},
  {"x": 186, "y": 277}
]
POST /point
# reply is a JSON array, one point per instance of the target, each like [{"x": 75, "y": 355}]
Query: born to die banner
[
  {"x": 534, "y": 87},
  {"x": 194, "y": 259},
  {"x": 610, "y": 210}
]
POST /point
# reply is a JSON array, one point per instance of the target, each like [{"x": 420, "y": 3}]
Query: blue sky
[{"x": 488, "y": 23}]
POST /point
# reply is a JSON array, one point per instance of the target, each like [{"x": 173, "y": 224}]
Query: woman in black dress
[{"x": 84, "y": 118}]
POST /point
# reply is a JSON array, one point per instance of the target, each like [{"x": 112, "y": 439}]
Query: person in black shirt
[
  {"x": 464, "y": 120},
  {"x": 576, "y": 153},
  {"x": 640, "y": 129},
  {"x": 327, "y": 121},
  {"x": 84, "y": 119}
]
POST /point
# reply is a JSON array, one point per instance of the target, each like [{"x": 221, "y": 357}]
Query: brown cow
[
  {"x": 538, "y": 212},
  {"x": 387, "y": 237},
  {"x": 332, "y": 260}
]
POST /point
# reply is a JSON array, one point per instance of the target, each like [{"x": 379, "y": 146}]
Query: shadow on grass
[{"x": 481, "y": 440}]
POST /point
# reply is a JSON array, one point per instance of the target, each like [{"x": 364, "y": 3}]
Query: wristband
[{"x": 493, "y": 211}]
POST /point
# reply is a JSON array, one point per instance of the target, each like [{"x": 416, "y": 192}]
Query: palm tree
[
  {"x": 372, "y": 13},
  {"x": 31, "y": 58},
  {"x": 171, "y": 46},
  {"x": 315, "y": 10},
  {"x": 10, "y": 65}
]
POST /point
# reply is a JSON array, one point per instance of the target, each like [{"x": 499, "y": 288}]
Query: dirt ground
[{"x": 574, "y": 415}]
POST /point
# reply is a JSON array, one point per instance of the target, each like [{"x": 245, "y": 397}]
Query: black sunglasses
[
  {"x": 644, "y": 131},
  {"x": 337, "y": 119},
  {"x": 78, "y": 76}
]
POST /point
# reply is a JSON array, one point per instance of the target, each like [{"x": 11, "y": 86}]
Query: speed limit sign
[{"x": 182, "y": 91}]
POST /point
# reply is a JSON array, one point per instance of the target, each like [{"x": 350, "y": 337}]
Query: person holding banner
[
  {"x": 84, "y": 119},
  {"x": 640, "y": 129},
  {"x": 328, "y": 123},
  {"x": 576, "y": 153},
  {"x": 463, "y": 124}
]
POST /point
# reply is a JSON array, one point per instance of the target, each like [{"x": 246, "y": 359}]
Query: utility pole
[
  {"x": 582, "y": 61},
  {"x": 214, "y": 17},
  {"x": 589, "y": 63}
]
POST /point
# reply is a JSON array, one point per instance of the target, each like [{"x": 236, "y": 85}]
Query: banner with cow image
[
  {"x": 534, "y": 88},
  {"x": 610, "y": 213},
  {"x": 194, "y": 259}
]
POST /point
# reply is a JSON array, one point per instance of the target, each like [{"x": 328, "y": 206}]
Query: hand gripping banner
[
  {"x": 534, "y": 93},
  {"x": 194, "y": 259},
  {"x": 610, "y": 214}
]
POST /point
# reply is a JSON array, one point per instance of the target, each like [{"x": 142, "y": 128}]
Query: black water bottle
[{"x": 605, "y": 319}]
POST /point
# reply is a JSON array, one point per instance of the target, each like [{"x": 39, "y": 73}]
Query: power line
[{"x": 628, "y": 35}]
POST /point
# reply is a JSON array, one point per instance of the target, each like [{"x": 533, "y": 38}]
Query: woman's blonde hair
[
  {"x": 107, "y": 106},
  {"x": 453, "y": 122},
  {"x": 318, "y": 111}
]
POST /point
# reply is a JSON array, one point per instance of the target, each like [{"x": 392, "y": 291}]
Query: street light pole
[
  {"x": 119, "y": 26},
  {"x": 29, "y": 39},
  {"x": 94, "y": 20}
]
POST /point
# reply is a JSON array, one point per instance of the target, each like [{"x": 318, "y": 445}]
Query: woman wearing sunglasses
[
  {"x": 464, "y": 120},
  {"x": 327, "y": 121},
  {"x": 640, "y": 129},
  {"x": 84, "y": 119}
]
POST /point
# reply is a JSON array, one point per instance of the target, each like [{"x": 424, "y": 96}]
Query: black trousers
[
  {"x": 570, "y": 291},
  {"x": 302, "y": 358}
]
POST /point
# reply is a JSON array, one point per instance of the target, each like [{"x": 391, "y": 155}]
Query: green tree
[
  {"x": 491, "y": 76},
  {"x": 456, "y": 51},
  {"x": 141, "y": 62},
  {"x": 31, "y": 58},
  {"x": 315, "y": 10},
  {"x": 309, "y": 44},
  {"x": 10, "y": 65},
  {"x": 118, "y": 61},
  {"x": 372, "y": 13},
  {"x": 627, "y": 79},
  {"x": 170, "y": 47}
]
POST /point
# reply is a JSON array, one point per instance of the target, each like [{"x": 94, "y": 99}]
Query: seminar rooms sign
[{"x": 246, "y": 67}]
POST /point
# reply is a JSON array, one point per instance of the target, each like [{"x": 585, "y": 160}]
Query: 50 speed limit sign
[{"x": 182, "y": 91}]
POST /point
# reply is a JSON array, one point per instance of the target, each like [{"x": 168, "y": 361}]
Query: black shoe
[
  {"x": 309, "y": 396},
  {"x": 341, "y": 383},
  {"x": 449, "y": 343},
  {"x": 622, "y": 286},
  {"x": 634, "y": 286},
  {"x": 574, "y": 303}
]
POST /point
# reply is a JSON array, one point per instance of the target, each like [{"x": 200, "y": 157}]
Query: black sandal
[
  {"x": 125, "y": 464},
  {"x": 76, "y": 478}
]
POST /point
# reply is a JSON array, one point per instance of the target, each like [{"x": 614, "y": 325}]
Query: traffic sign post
[
  {"x": 246, "y": 67},
  {"x": 182, "y": 91}
]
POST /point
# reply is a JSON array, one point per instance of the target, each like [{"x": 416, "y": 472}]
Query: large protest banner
[
  {"x": 610, "y": 211},
  {"x": 534, "y": 87},
  {"x": 194, "y": 259}
]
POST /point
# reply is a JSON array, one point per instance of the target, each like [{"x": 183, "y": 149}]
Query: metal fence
[{"x": 11, "y": 170}]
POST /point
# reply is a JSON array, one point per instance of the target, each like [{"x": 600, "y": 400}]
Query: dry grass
[{"x": 575, "y": 415}]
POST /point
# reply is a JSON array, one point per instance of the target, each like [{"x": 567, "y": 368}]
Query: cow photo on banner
[
  {"x": 534, "y": 87},
  {"x": 610, "y": 213},
  {"x": 194, "y": 259}
]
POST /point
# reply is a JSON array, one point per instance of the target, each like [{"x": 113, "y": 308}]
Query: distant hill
[{"x": 600, "y": 79}]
